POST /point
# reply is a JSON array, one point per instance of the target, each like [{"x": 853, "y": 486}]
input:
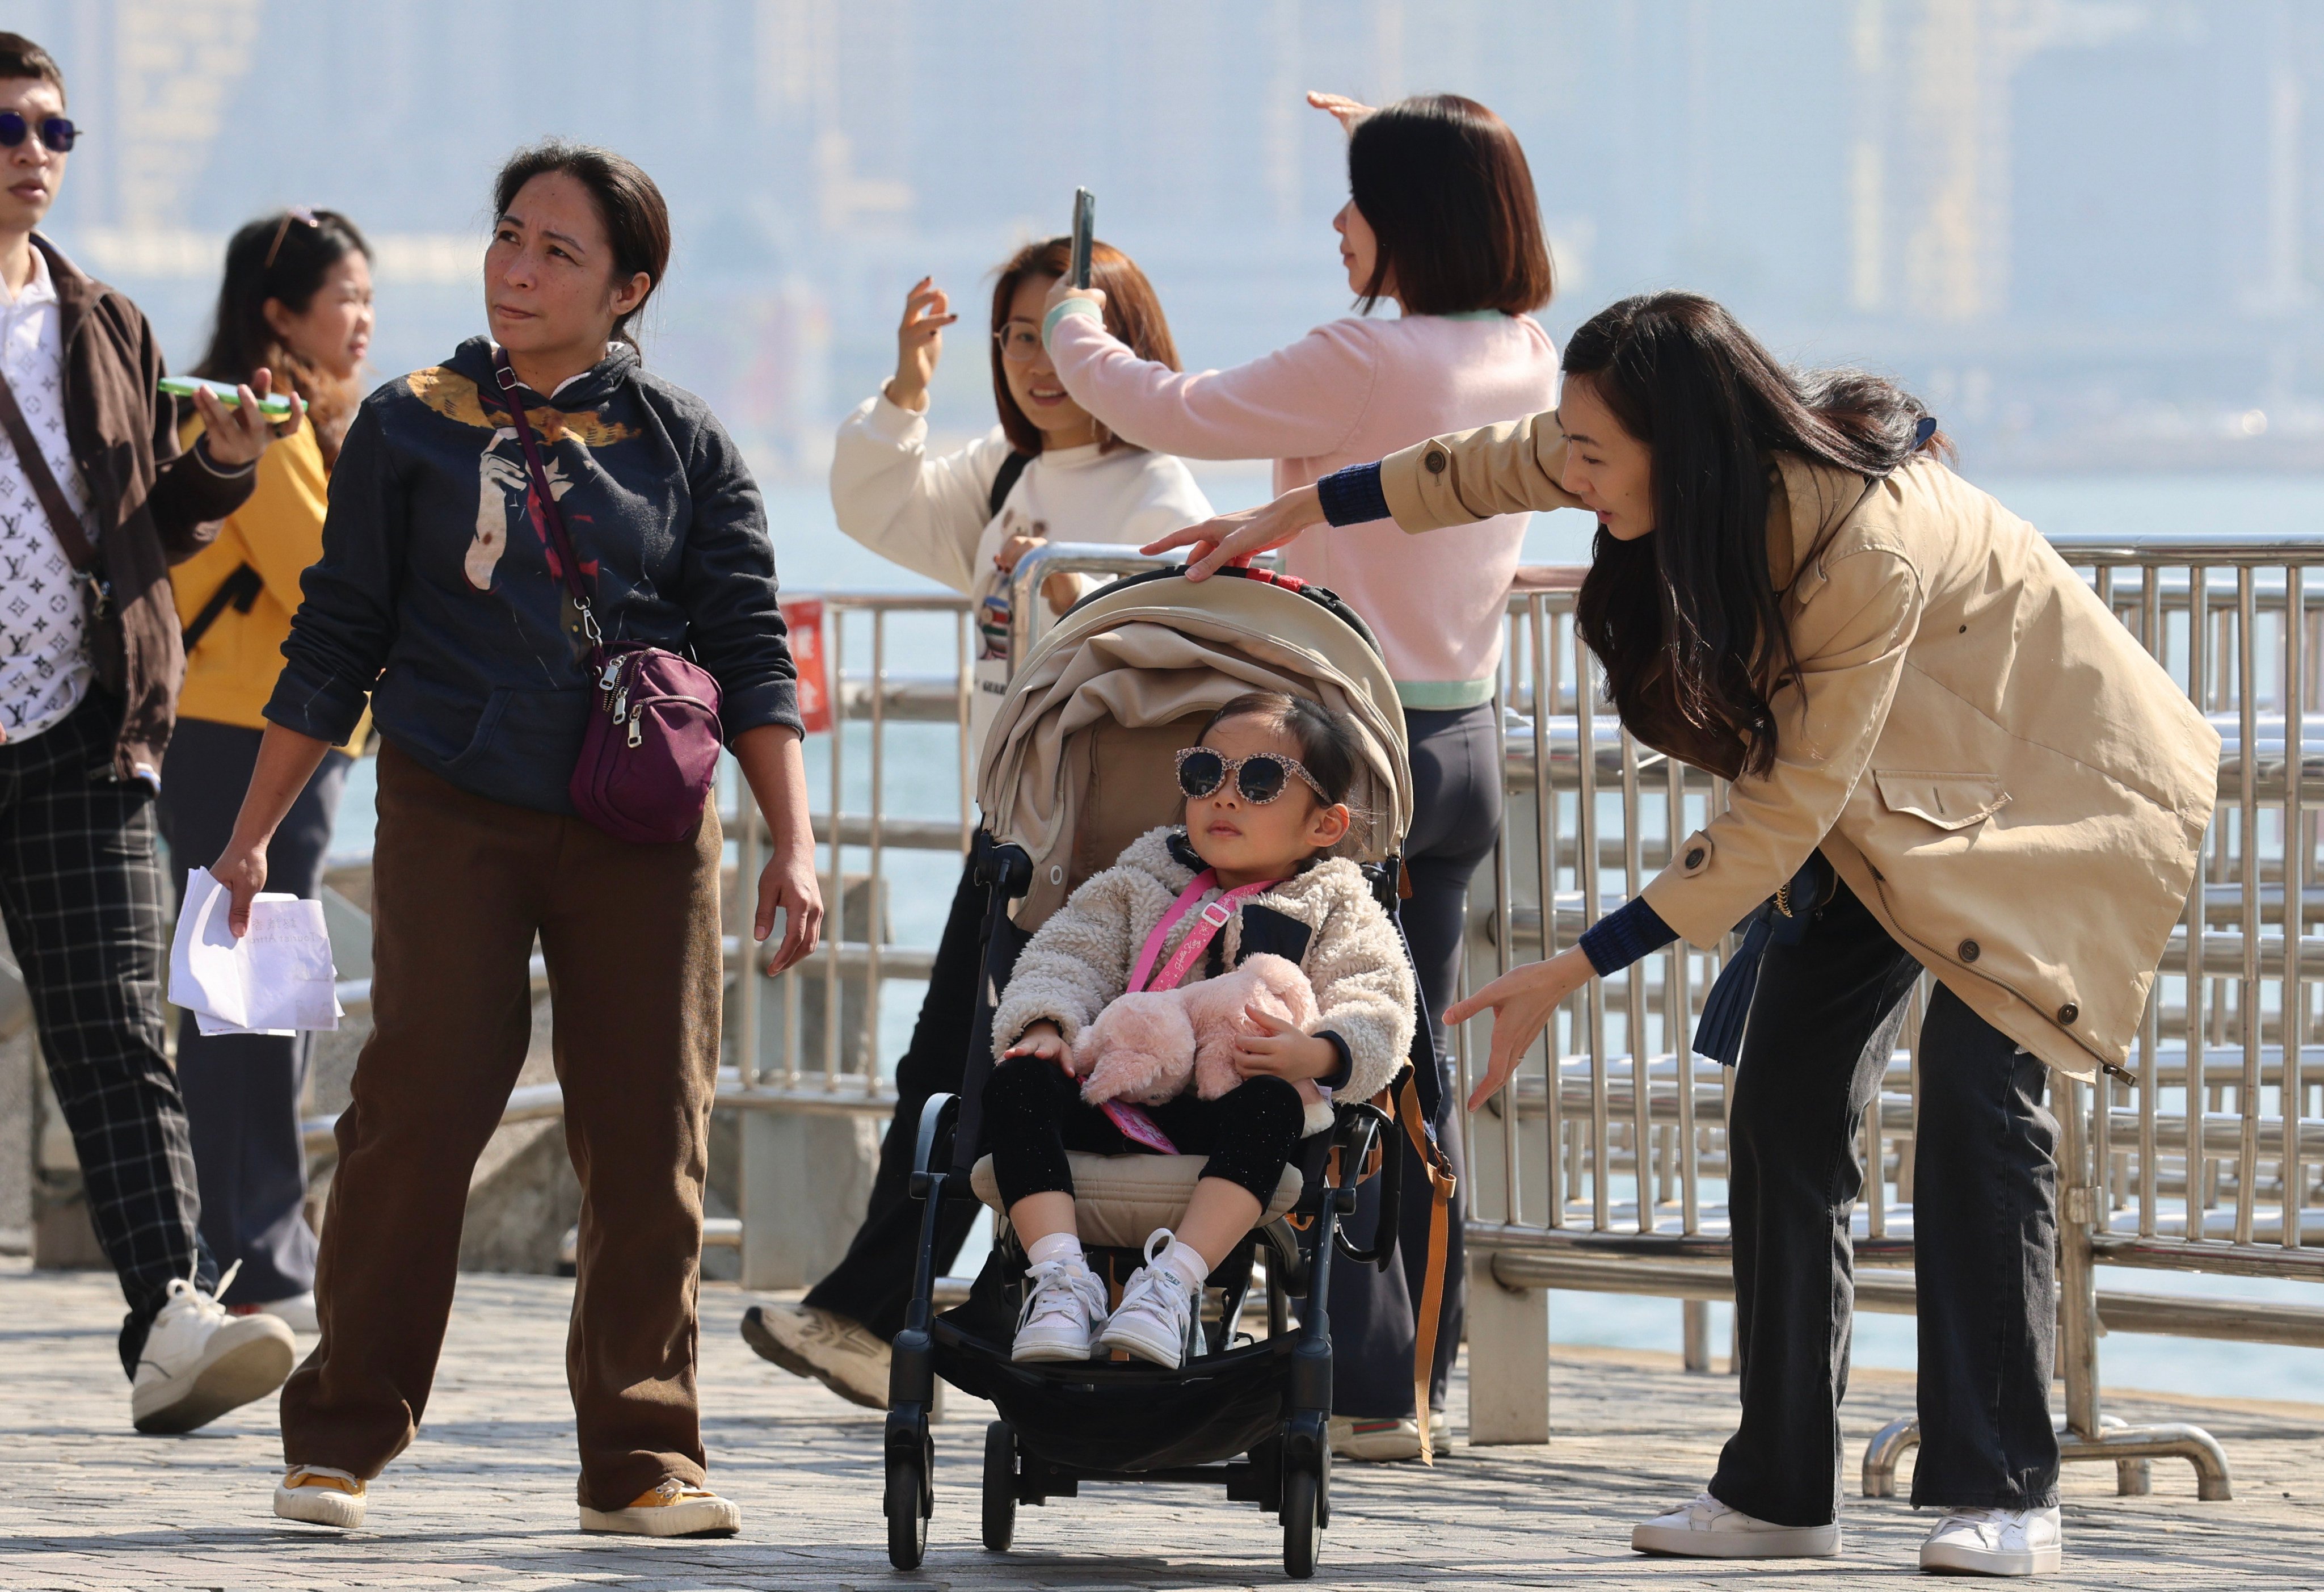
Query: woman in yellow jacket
[
  {"x": 1946, "y": 756},
  {"x": 297, "y": 299}
]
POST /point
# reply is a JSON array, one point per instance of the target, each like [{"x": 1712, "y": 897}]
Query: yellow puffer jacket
[{"x": 278, "y": 533}]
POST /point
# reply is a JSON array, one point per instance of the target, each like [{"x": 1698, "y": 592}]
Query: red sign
[{"x": 804, "y": 616}]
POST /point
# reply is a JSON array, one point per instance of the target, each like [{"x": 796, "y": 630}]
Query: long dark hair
[
  {"x": 1133, "y": 313},
  {"x": 1687, "y": 620},
  {"x": 635, "y": 218},
  {"x": 1443, "y": 185},
  {"x": 286, "y": 257}
]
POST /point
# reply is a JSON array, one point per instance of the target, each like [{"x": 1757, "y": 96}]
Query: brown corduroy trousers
[{"x": 461, "y": 885}]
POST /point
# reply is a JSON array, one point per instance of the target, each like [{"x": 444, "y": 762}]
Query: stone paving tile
[{"x": 484, "y": 1499}]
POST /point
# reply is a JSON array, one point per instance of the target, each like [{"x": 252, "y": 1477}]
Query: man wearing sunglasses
[{"x": 95, "y": 503}]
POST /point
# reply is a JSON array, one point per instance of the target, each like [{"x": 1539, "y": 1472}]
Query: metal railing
[{"x": 1602, "y": 1167}]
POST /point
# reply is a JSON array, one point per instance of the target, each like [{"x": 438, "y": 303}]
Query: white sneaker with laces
[
  {"x": 1707, "y": 1529},
  {"x": 1995, "y": 1542},
  {"x": 200, "y": 1362},
  {"x": 1065, "y": 1307},
  {"x": 1156, "y": 1321}
]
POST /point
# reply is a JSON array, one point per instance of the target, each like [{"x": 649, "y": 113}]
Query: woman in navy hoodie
[{"x": 438, "y": 603}]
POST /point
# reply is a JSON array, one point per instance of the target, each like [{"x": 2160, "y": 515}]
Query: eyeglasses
[
  {"x": 55, "y": 132},
  {"x": 1020, "y": 342},
  {"x": 1259, "y": 776},
  {"x": 298, "y": 213}
]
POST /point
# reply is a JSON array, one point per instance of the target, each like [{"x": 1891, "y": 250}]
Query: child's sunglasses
[
  {"x": 55, "y": 132},
  {"x": 1259, "y": 777}
]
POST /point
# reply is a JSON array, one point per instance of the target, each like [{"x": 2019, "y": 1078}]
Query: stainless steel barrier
[{"x": 1602, "y": 1167}]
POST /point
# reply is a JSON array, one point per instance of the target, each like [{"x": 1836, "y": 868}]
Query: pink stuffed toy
[{"x": 1146, "y": 1046}]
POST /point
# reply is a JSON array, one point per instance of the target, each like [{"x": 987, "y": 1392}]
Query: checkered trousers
[{"x": 86, "y": 903}]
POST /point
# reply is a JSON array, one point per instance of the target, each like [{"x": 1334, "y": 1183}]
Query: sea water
[{"x": 920, "y": 782}]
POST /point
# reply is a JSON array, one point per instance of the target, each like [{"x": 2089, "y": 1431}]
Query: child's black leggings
[{"x": 1034, "y": 1114}]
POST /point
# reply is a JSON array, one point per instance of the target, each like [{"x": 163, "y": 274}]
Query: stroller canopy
[{"x": 1079, "y": 760}]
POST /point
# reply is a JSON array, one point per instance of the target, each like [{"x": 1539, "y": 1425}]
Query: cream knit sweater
[{"x": 1082, "y": 957}]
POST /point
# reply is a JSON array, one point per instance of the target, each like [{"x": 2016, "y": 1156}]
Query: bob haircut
[
  {"x": 1133, "y": 313},
  {"x": 635, "y": 218},
  {"x": 284, "y": 257},
  {"x": 1445, "y": 187}
]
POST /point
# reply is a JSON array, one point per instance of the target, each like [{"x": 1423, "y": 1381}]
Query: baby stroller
[{"x": 1079, "y": 764}]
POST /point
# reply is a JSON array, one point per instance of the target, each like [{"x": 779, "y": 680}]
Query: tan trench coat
[{"x": 1988, "y": 757}]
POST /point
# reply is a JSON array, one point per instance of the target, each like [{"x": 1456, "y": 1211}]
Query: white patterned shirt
[{"x": 44, "y": 662}]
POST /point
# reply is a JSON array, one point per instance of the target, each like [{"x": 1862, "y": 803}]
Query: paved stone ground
[{"x": 485, "y": 1497}]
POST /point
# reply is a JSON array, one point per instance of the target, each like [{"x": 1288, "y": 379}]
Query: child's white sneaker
[
  {"x": 1065, "y": 1307},
  {"x": 1995, "y": 1542},
  {"x": 1156, "y": 1318}
]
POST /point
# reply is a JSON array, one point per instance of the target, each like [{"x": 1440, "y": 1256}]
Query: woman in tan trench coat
[{"x": 1945, "y": 754}]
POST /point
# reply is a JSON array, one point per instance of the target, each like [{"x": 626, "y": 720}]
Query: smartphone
[
  {"x": 1084, "y": 229},
  {"x": 274, "y": 405}
]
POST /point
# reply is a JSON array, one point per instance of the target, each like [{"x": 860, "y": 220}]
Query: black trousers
[
  {"x": 1456, "y": 788},
  {"x": 82, "y": 893},
  {"x": 1034, "y": 1114},
  {"x": 873, "y": 1282},
  {"x": 242, "y": 1090},
  {"x": 1823, "y": 1024}
]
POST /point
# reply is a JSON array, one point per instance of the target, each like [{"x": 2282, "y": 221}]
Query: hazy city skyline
[{"x": 2089, "y": 230}]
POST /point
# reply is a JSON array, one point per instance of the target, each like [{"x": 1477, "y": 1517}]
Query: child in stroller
[{"x": 1265, "y": 788}]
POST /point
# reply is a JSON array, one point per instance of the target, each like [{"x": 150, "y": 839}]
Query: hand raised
[
  {"x": 919, "y": 343},
  {"x": 1345, "y": 111}
]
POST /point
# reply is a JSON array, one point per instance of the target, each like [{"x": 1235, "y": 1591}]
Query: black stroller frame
[{"x": 1251, "y": 1417}]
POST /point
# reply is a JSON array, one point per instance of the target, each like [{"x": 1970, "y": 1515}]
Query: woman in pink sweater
[{"x": 1442, "y": 220}]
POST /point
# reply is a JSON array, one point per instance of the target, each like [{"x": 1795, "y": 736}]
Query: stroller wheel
[
  {"x": 1300, "y": 1490},
  {"x": 1000, "y": 1486},
  {"x": 908, "y": 1527}
]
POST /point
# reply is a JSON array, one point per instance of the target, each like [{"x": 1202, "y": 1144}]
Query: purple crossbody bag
[{"x": 651, "y": 748}]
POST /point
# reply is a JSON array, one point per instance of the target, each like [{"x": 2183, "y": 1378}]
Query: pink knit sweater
[{"x": 1350, "y": 392}]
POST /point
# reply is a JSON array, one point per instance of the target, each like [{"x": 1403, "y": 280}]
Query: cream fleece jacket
[
  {"x": 1346, "y": 393},
  {"x": 1082, "y": 957}
]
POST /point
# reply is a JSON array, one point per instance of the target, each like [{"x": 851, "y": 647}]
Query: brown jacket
[
  {"x": 152, "y": 504},
  {"x": 1988, "y": 758}
]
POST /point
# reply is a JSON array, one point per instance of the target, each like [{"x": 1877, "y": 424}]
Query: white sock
[
  {"x": 1181, "y": 1258},
  {"x": 1057, "y": 1246}
]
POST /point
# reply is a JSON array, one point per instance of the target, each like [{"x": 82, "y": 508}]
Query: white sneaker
[
  {"x": 296, "y": 1312},
  {"x": 1707, "y": 1529},
  {"x": 1065, "y": 1307},
  {"x": 1387, "y": 1440},
  {"x": 1157, "y": 1316},
  {"x": 1995, "y": 1542},
  {"x": 320, "y": 1495},
  {"x": 845, "y": 1357},
  {"x": 668, "y": 1509},
  {"x": 200, "y": 1362}
]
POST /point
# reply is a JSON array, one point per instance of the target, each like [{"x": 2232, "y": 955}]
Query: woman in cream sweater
[{"x": 1049, "y": 472}]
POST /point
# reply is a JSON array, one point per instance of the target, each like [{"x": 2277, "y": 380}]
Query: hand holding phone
[
  {"x": 1085, "y": 232},
  {"x": 273, "y": 406}
]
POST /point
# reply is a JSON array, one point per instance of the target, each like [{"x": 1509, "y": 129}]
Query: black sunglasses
[
  {"x": 1259, "y": 777},
  {"x": 56, "y": 132}
]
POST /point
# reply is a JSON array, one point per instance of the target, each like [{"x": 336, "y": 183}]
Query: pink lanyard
[{"x": 1215, "y": 917}]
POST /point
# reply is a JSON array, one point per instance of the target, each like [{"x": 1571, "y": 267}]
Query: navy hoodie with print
[{"x": 436, "y": 598}]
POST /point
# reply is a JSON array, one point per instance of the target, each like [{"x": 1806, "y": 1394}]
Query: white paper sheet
[{"x": 276, "y": 979}]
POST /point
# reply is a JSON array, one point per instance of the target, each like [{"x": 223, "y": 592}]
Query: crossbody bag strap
[
  {"x": 551, "y": 515},
  {"x": 71, "y": 536}
]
